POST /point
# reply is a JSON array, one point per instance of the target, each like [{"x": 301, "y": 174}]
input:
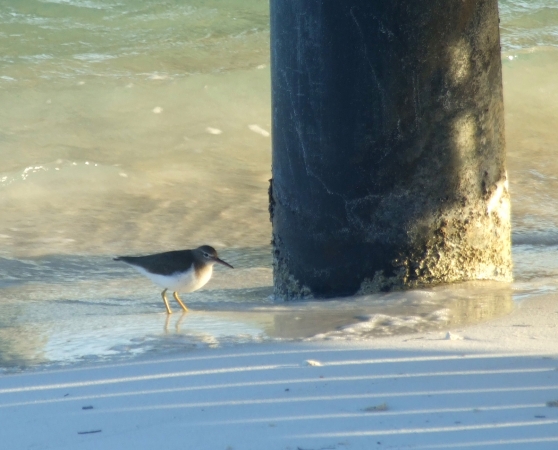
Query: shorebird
[{"x": 179, "y": 270}]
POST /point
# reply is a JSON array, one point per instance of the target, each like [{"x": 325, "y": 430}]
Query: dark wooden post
[{"x": 388, "y": 145}]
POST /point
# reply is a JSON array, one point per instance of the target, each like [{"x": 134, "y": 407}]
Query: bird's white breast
[{"x": 180, "y": 282}]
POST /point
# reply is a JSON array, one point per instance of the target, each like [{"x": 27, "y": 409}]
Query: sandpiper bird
[{"x": 179, "y": 271}]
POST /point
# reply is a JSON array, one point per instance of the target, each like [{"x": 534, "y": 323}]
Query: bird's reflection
[{"x": 176, "y": 325}]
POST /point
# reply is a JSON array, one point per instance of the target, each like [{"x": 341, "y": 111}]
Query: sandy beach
[
  {"x": 492, "y": 385},
  {"x": 135, "y": 127}
]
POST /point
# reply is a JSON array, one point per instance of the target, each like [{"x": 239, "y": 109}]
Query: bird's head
[{"x": 209, "y": 255}]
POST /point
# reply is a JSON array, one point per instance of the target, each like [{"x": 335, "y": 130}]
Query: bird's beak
[{"x": 220, "y": 261}]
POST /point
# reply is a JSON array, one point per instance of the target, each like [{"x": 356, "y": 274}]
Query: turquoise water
[
  {"x": 131, "y": 127},
  {"x": 528, "y": 24}
]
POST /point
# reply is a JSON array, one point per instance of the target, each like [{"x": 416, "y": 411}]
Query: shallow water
[{"x": 140, "y": 126}]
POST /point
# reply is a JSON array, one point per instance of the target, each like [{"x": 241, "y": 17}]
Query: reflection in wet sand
[
  {"x": 21, "y": 347},
  {"x": 368, "y": 316},
  {"x": 109, "y": 336},
  {"x": 401, "y": 313}
]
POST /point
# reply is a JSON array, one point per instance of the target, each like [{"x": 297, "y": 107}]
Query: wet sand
[{"x": 491, "y": 385}]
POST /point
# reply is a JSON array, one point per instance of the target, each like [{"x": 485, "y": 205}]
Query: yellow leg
[
  {"x": 169, "y": 311},
  {"x": 177, "y": 298}
]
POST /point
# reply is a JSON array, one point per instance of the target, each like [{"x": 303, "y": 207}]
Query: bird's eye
[{"x": 206, "y": 255}]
